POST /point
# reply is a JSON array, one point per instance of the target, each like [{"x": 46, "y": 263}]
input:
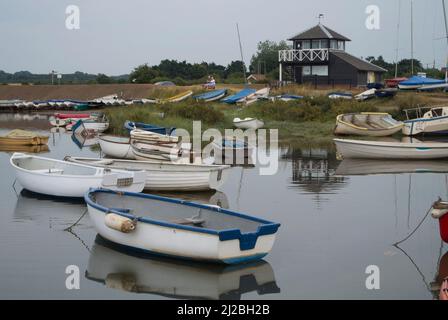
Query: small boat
[
  {"x": 73, "y": 115},
  {"x": 211, "y": 95},
  {"x": 178, "y": 228},
  {"x": 288, "y": 97},
  {"x": 84, "y": 141},
  {"x": 94, "y": 125},
  {"x": 178, "y": 97},
  {"x": 386, "y": 93},
  {"x": 375, "y": 85},
  {"x": 239, "y": 96},
  {"x": 439, "y": 211},
  {"x": 372, "y": 124},
  {"x": 166, "y": 176},
  {"x": 19, "y": 137},
  {"x": 248, "y": 123},
  {"x": 123, "y": 270},
  {"x": 393, "y": 83},
  {"x": 116, "y": 147},
  {"x": 40, "y": 148},
  {"x": 261, "y": 94},
  {"x": 65, "y": 179},
  {"x": 62, "y": 119},
  {"x": 416, "y": 82},
  {"x": 148, "y": 101},
  {"x": 390, "y": 150},
  {"x": 81, "y": 107},
  {"x": 143, "y": 150},
  {"x": 433, "y": 121},
  {"x": 340, "y": 95},
  {"x": 130, "y": 125},
  {"x": 368, "y": 94},
  {"x": 433, "y": 87},
  {"x": 165, "y": 84}
]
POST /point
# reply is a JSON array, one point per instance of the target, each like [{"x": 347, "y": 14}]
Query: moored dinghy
[
  {"x": 211, "y": 95},
  {"x": 66, "y": 179},
  {"x": 372, "y": 124},
  {"x": 178, "y": 228},
  {"x": 167, "y": 176},
  {"x": 433, "y": 121},
  {"x": 116, "y": 147},
  {"x": 390, "y": 150},
  {"x": 245, "y": 93},
  {"x": 131, "y": 125}
]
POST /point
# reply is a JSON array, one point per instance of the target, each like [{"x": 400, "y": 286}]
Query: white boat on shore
[
  {"x": 65, "y": 179},
  {"x": 390, "y": 150},
  {"x": 365, "y": 95},
  {"x": 116, "y": 147},
  {"x": 374, "y": 124},
  {"x": 166, "y": 176},
  {"x": 432, "y": 121},
  {"x": 248, "y": 123},
  {"x": 177, "y": 228}
]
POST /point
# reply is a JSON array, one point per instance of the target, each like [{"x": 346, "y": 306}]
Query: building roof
[
  {"x": 319, "y": 32},
  {"x": 358, "y": 63}
]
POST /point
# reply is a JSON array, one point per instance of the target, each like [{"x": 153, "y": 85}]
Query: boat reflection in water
[
  {"x": 212, "y": 197},
  {"x": 118, "y": 268},
  {"x": 349, "y": 167},
  {"x": 59, "y": 211},
  {"x": 85, "y": 141},
  {"x": 313, "y": 170},
  {"x": 27, "y": 149}
]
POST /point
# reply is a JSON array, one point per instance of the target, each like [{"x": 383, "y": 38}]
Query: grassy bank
[{"x": 309, "y": 118}]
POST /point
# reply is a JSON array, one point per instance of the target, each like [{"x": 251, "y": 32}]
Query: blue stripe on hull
[{"x": 237, "y": 260}]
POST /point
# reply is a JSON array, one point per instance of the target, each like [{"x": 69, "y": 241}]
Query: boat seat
[
  {"x": 49, "y": 170},
  {"x": 189, "y": 221}
]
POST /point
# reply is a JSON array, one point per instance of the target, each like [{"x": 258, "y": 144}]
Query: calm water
[{"x": 335, "y": 220}]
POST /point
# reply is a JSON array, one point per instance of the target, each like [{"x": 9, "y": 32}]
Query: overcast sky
[{"x": 117, "y": 35}]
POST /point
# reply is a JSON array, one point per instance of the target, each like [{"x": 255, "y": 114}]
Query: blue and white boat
[
  {"x": 433, "y": 121},
  {"x": 416, "y": 82},
  {"x": 178, "y": 228},
  {"x": 288, "y": 97},
  {"x": 245, "y": 93},
  {"x": 130, "y": 125},
  {"x": 211, "y": 95}
]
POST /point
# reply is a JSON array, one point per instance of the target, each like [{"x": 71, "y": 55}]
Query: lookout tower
[{"x": 318, "y": 56}]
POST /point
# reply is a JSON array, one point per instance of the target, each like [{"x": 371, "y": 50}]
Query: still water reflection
[{"x": 337, "y": 218}]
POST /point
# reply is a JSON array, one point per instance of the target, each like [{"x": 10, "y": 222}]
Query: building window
[
  {"x": 306, "y": 70},
  {"x": 320, "y": 71},
  {"x": 316, "y": 44},
  {"x": 333, "y": 44},
  {"x": 306, "y": 44},
  {"x": 341, "y": 45}
]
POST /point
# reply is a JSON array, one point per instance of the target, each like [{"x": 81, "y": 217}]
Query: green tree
[
  {"x": 143, "y": 74},
  {"x": 102, "y": 78},
  {"x": 235, "y": 67},
  {"x": 266, "y": 56}
]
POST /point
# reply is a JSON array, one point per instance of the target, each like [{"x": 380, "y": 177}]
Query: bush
[{"x": 199, "y": 111}]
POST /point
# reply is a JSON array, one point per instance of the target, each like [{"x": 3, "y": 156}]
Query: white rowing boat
[
  {"x": 66, "y": 179},
  {"x": 248, "y": 123},
  {"x": 178, "y": 228},
  {"x": 374, "y": 124},
  {"x": 166, "y": 176},
  {"x": 390, "y": 150},
  {"x": 116, "y": 147}
]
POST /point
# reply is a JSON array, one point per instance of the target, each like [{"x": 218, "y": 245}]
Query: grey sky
[{"x": 117, "y": 35}]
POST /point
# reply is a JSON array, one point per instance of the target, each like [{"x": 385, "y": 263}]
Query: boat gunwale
[
  {"x": 266, "y": 227},
  {"x": 102, "y": 137}
]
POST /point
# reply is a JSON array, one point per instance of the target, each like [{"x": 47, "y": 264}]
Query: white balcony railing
[{"x": 304, "y": 55}]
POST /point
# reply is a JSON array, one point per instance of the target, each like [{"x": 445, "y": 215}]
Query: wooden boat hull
[
  {"x": 390, "y": 150},
  {"x": 35, "y": 141},
  {"x": 64, "y": 179},
  {"x": 164, "y": 176},
  {"x": 362, "y": 128},
  {"x": 116, "y": 147},
  {"x": 170, "y": 239}
]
